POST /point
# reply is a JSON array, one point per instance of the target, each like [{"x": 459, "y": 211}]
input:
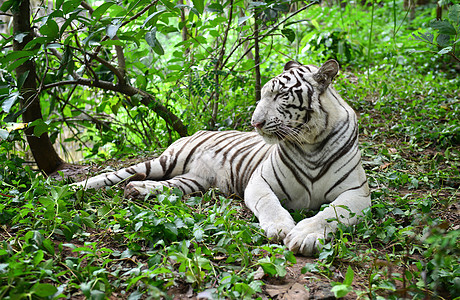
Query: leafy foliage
[{"x": 57, "y": 242}]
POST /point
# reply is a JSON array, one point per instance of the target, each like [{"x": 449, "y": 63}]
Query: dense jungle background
[{"x": 91, "y": 86}]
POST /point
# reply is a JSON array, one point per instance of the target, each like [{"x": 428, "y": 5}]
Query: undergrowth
[{"x": 56, "y": 242}]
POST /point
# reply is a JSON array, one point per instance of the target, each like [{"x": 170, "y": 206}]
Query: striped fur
[{"x": 303, "y": 154}]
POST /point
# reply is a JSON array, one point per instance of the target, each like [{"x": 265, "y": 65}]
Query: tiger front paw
[
  {"x": 136, "y": 189},
  {"x": 142, "y": 189},
  {"x": 277, "y": 230},
  {"x": 306, "y": 237}
]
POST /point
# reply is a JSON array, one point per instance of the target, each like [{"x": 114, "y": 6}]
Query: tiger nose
[{"x": 258, "y": 124}]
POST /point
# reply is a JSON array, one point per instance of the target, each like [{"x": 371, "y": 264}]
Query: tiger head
[{"x": 290, "y": 108}]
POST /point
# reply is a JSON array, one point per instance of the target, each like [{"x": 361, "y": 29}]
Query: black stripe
[
  {"x": 336, "y": 156},
  {"x": 249, "y": 167},
  {"x": 292, "y": 166},
  {"x": 190, "y": 152},
  {"x": 148, "y": 168},
  {"x": 279, "y": 181},
  {"x": 342, "y": 179}
]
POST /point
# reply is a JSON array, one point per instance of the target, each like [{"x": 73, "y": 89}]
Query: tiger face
[{"x": 290, "y": 108}]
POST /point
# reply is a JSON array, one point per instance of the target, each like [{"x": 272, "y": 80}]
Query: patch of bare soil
[{"x": 296, "y": 285}]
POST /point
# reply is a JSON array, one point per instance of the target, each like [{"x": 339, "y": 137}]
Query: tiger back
[{"x": 303, "y": 154}]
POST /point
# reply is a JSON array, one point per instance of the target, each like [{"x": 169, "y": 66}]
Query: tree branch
[{"x": 147, "y": 99}]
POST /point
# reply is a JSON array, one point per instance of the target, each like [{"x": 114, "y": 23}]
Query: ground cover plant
[{"x": 399, "y": 74}]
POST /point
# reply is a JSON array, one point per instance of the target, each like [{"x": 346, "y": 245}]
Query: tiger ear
[
  {"x": 326, "y": 73},
  {"x": 291, "y": 64}
]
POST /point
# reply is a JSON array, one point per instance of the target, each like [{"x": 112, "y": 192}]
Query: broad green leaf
[
  {"x": 242, "y": 20},
  {"x": 257, "y": 3},
  {"x": 49, "y": 246},
  {"x": 445, "y": 50},
  {"x": 42, "y": 40},
  {"x": 20, "y": 37},
  {"x": 155, "y": 14},
  {"x": 22, "y": 78},
  {"x": 428, "y": 37},
  {"x": 289, "y": 34},
  {"x": 349, "y": 276},
  {"x": 269, "y": 269},
  {"x": 44, "y": 289},
  {"x": 443, "y": 40},
  {"x": 40, "y": 127},
  {"x": 151, "y": 39},
  {"x": 112, "y": 30},
  {"x": 215, "y": 7},
  {"x": 37, "y": 237},
  {"x": 70, "y": 5},
  {"x": 50, "y": 29},
  {"x": 341, "y": 290},
  {"x": 454, "y": 13},
  {"x": 199, "y": 5},
  {"x": 112, "y": 43},
  {"x": 14, "y": 55},
  {"x": 38, "y": 257},
  {"x": 198, "y": 234},
  {"x": 100, "y": 10},
  {"x": 443, "y": 26},
  {"x": 58, "y": 3},
  {"x": 16, "y": 64},
  {"x": 9, "y": 102},
  {"x": 8, "y": 4},
  {"x": 86, "y": 289}
]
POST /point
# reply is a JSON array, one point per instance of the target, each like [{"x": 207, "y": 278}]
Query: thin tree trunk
[
  {"x": 257, "y": 84},
  {"x": 42, "y": 149}
]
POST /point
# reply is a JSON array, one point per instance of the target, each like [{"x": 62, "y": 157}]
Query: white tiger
[{"x": 303, "y": 154}]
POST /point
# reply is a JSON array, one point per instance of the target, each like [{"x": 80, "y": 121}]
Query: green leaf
[
  {"x": 349, "y": 276},
  {"x": 40, "y": 127},
  {"x": 58, "y": 3},
  {"x": 289, "y": 34},
  {"x": 70, "y": 5},
  {"x": 9, "y": 102},
  {"x": 98, "y": 12},
  {"x": 215, "y": 7},
  {"x": 443, "y": 27},
  {"x": 49, "y": 246},
  {"x": 50, "y": 29},
  {"x": 42, "y": 40},
  {"x": 20, "y": 37},
  {"x": 445, "y": 50},
  {"x": 7, "y": 5},
  {"x": 341, "y": 290},
  {"x": 443, "y": 40},
  {"x": 428, "y": 37},
  {"x": 199, "y": 5},
  {"x": 269, "y": 269},
  {"x": 44, "y": 289},
  {"x": 242, "y": 20},
  {"x": 22, "y": 78},
  {"x": 454, "y": 13},
  {"x": 112, "y": 30},
  {"x": 38, "y": 257},
  {"x": 155, "y": 14},
  {"x": 151, "y": 39},
  {"x": 14, "y": 55}
]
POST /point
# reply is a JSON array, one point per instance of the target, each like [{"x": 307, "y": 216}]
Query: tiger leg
[
  {"x": 151, "y": 169},
  {"x": 273, "y": 218},
  {"x": 305, "y": 237},
  {"x": 187, "y": 183}
]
